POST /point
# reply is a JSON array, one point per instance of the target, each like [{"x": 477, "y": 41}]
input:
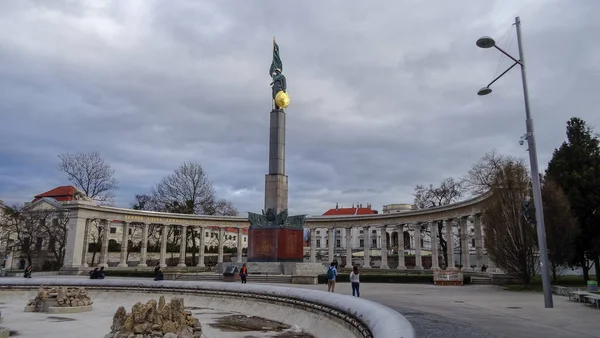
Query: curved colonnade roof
[{"x": 464, "y": 208}]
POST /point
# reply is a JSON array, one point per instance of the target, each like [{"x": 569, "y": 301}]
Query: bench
[
  {"x": 579, "y": 295},
  {"x": 592, "y": 299}
]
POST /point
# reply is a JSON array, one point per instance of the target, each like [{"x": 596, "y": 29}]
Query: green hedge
[
  {"x": 131, "y": 273},
  {"x": 389, "y": 278}
]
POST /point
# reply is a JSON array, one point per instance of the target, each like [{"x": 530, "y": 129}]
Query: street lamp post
[{"x": 487, "y": 42}]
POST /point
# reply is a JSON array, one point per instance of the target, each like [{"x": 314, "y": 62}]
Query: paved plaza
[
  {"x": 445, "y": 311},
  {"x": 480, "y": 311}
]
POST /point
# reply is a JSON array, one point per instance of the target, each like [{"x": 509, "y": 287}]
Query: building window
[
  {"x": 51, "y": 244},
  {"x": 318, "y": 243},
  {"x": 113, "y": 230},
  {"x": 130, "y": 231},
  {"x": 361, "y": 232},
  {"x": 176, "y": 232},
  {"x": 38, "y": 243},
  {"x": 473, "y": 242},
  {"x": 234, "y": 237},
  {"x": 244, "y": 239},
  {"x": 327, "y": 243},
  {"x": 338, "y": 243},
  {"x": 338, "y": 232},
  {"x": 55, "y": 222},
  {"x": 206, "y": 235},
  {"x": 362, "y": 243},
  {"x": 374, "y": 243},
  {"x": 318, "y": 232},
  {"x": 374, "y": 232}
]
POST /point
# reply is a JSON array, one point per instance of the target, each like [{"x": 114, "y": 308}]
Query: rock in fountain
[
  {"x": 152, "y": 320},
  {"x": 49, "y": 299}
]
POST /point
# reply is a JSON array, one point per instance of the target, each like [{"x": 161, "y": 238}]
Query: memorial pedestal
[{"x": 275, "y": 245}]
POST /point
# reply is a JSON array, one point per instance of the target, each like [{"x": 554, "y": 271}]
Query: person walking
[
  {"x": 355, "y": 281},
  {"x": 243, "y": 273},
  {"x": 331, "y": 275}
]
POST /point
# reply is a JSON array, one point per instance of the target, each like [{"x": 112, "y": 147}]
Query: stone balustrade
[{"x": 364, "y": 318}]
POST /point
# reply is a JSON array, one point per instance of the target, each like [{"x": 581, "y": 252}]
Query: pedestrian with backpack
[
  {"x": 355, "y": 281},
  {"x": 331, "y": 275}
]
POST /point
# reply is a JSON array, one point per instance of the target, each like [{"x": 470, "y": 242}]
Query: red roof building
[
  {"x": 63, "y": 193},
  {"x": 354, "y": 210}
]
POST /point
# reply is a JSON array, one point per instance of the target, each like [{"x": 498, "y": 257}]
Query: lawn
[{"x": 571, "y": 281}]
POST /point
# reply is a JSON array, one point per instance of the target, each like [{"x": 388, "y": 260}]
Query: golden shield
[{"x": 282, "y": 100}]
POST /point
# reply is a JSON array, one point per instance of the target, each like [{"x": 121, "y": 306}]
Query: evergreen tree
[{"x": 575, "y": 166}]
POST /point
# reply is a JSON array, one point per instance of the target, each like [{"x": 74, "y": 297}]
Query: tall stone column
[
  {"x": 240, "y": 245},
  {"x": 86, "y": 243},
  {"x": 478, "y": 241},
  {"x": 74, "y": 246},
  {"x": 367, "y": 248},
  {"x": 384, "y": 249},
  {"x": 417, "y": 238},
  {"x": 433, "y": 229},
  {"x": 449, "y": 244},
  {"x": 163, "y": 246},
  {"x": 313, "y": 245},
  {"x": 201, "y": 247},
  {"x": 221, "y": 243},
  {"x": 276, "y": 182},
  {"x": 124, "y": 244},
  {"x": 104, "y": 252},
  {"x": 464, "y": 244},
  {"x": 349, "y": 247},
  {"x": 401, "y": 260},
  {"x": 182, "y": 247},
  {"x": 331, "y": 248},
  {"x": 144, "y": 248}
]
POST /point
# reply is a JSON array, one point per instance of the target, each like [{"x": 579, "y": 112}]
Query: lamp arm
[
  {"x": 506, "y": 71},
  {"x": 505, "y": 53}
]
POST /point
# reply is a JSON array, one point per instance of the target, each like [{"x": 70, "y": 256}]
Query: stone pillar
[
  {"x": 163, "y": 246},
  {"x": 201, "y": 247},
  {"x": 240, "y": 245},
  {"x": 433, "y": 229},
  {"x": 74, "y": 245},
  {"x": 182, "y": 247},
  {"x": 331, "y": 248},
  {"x": 384, "y": 249},
  {"x": 449, "y": 244},
  {"x": 104, "y": 252},
  {"x": 124, "y": 244},
  {"x": 401, "y": 261},
  {"x": 313, "y": 245},
  {"x": 349, "y": 247},
  {"x": 417, "y": 238},
  {"x": 86, "y": 243},
  {"x": 464, "y": 244},
  {"x": 221, "y": 243},
  {"x": 367, "y": 248},
  {"x": 478, "y": 241},
  {"x": 144, "y": 248}
]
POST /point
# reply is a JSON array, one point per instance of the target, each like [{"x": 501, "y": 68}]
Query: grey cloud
[{"x": 383, "y": 93}]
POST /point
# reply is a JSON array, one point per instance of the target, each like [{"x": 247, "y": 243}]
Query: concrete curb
[{"x": 372, "y": 319}]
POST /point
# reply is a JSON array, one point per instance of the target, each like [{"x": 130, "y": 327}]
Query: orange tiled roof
[
  {"x": 349, "y": 211},
  {"x": 61, "y": 194}
]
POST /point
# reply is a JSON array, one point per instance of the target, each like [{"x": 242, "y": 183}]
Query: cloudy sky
[{"x": 383, "y": 93}]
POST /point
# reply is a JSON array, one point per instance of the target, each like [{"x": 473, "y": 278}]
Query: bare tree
[
  {"x": 562, "y": 227},
  {"x": 54, "y": 223},
  {"x": 480, "y": 177},
  {"x": 449, "y": 191},
  {"x": 90, "y": 173},
  {"x": 26, "y": 226},
  {"x": 510, "y": 239}
]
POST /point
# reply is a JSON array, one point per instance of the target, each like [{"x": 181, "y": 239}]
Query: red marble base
[{"x": 275, "y": 245}]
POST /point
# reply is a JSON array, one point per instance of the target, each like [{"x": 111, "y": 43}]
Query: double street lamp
[{"x": 488, "y": 42}]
